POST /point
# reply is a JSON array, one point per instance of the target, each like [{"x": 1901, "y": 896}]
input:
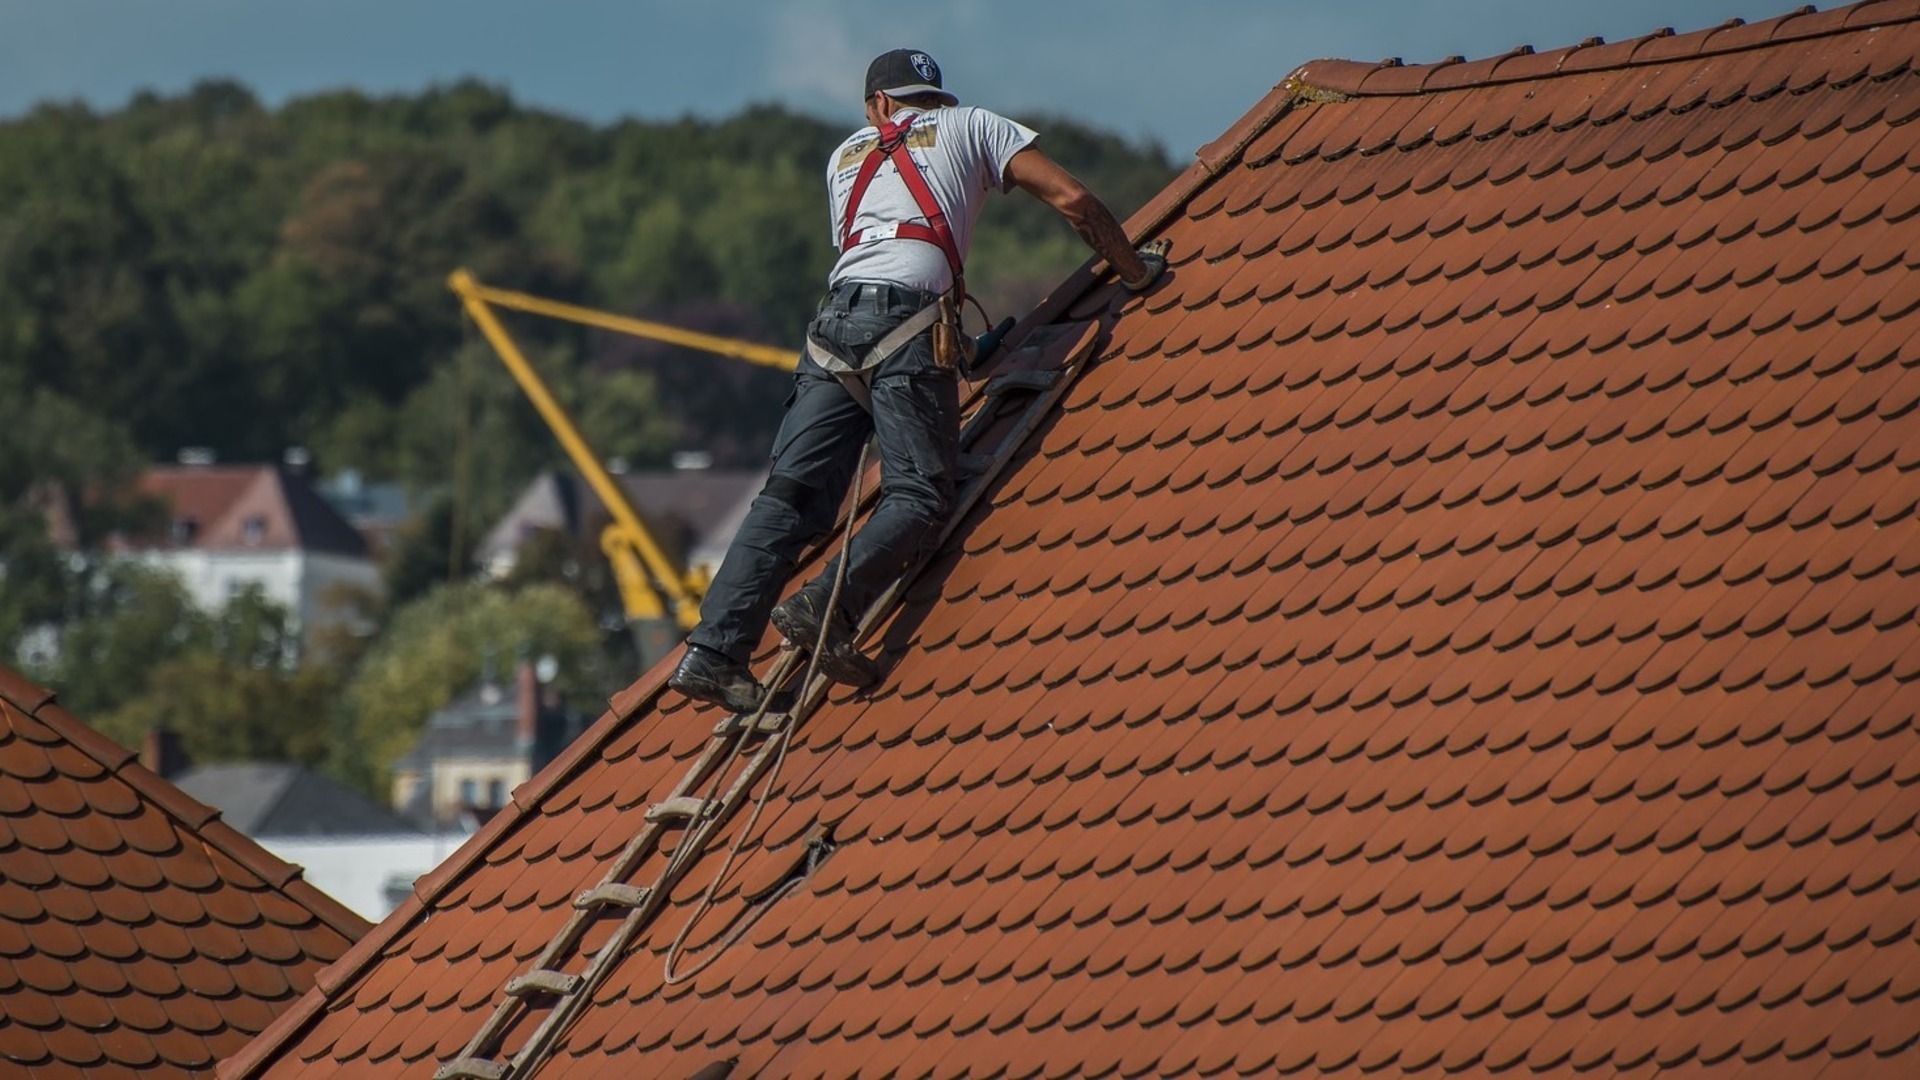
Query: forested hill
[{"x": 202, "y": 270}]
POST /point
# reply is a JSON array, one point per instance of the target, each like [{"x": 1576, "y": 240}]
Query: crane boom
[{"x": 652, "y": 587}]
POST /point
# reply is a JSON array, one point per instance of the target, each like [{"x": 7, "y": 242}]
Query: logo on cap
[{"x": 924, "y": 64}]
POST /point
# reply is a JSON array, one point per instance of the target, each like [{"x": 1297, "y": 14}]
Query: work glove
[{"x": 1154, "y": 257}]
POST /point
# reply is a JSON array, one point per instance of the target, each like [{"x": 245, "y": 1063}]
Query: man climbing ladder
[{"x": 881, "y": 360}]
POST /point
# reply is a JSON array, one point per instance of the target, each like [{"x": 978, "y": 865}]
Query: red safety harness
[{"x": 893, "y": 144}]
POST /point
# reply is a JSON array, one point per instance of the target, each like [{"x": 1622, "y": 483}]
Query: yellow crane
[{"x": 662, "y": 600}]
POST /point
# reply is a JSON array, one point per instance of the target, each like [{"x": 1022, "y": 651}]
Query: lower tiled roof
[
  {"x": 138, "y": 934},
  {"x": 1463, "y": 623}
]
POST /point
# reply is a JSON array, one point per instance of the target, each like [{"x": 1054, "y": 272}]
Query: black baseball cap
[{"x": 904, "y": 73}]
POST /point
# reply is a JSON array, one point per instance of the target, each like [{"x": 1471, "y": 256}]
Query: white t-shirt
[{"x": 962, "y": 151}]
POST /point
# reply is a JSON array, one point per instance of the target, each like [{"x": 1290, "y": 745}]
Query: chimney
[
  {"x": 526, "y": 712},
  {"x": 163, "y": 753}
]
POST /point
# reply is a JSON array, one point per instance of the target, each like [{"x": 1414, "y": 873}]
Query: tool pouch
[{"x": 952, "y": 347}]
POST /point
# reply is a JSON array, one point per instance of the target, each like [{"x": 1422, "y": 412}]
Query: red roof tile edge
[
  {"x": 40, "y": 704},
  {"x": 1350, "y": 76},
  {"x": 368, "y": 949},
  {"x": 1210, "y": 161},
  {"x": 527, "y": 798}
]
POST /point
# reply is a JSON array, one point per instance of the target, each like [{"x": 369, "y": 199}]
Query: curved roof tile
[
  {"x": 138, "y": 933},
  {"x": 1464, "y": 621}
]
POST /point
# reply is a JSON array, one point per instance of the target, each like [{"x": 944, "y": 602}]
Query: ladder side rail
[
  {"x": 699, "y": 832},
  {"x": 578, "y": 922},
  {"x": 694, "y": 842}
]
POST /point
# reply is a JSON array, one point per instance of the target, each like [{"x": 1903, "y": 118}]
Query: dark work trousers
[{"x": 916, "y": 421}]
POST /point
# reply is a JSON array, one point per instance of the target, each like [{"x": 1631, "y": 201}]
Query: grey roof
[
  {"x": 277, "y": 799},
  {"x": 479, "y": 723},
  {"x": 483, "y": 724},
  {"x": 686, "y": 509}
]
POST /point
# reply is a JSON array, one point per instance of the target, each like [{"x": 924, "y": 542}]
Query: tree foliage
[
  {"x": 201, "y": 270},
  {"x": 137, "y": 655},
  {"x": 440, "y": 644}
]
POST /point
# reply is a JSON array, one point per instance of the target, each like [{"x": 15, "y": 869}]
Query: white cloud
[
  {"x": 1180, "y": 72},
  {"x": 813, "y": 58}
]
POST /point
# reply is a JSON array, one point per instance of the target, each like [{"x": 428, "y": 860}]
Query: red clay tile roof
[
  {"x": 220, "y": 501},
  {"x": 1465, "y": 622},
  {"x": 138, "y": 934}
]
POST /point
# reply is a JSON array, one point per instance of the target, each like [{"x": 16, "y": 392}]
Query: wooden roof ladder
[{"x": 562, "y": 980}]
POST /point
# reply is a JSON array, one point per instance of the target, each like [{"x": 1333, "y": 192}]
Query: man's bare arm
[{"x": 1034, "y": 172}]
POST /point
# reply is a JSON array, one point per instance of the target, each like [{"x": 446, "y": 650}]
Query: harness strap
[
  {"x": 894, "y": 340},
  {"x": 893, "y": 145}
]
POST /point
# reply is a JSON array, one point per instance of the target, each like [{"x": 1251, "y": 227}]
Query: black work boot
[
  {"x": 713, "y": 677},
  {"x": 798, "y": 618}
]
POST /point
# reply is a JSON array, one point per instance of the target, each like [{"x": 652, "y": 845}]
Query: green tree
[
  {"x": 228, "y": 712},
  {"x": 424, "y": 555},
  {"x": 437, "y": 646},
  {"x": 33, "y": 578},
  {"x": 233, "y": 692},
  {"x": 52, "y": 450},
  {"x": 82, "y": 301},
  {"x": 126, "y": 620}
]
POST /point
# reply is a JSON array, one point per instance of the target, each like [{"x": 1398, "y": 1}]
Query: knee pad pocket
[{"x": 807, "y": 501}]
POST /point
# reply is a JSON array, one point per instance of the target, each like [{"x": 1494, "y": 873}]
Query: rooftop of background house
[{"x": 139, "y": 933}]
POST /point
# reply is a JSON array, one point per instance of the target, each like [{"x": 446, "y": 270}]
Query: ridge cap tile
[{"x": 208, "y": 906}]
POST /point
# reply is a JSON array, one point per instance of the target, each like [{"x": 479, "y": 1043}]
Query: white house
[{"x": 232, "y": 526}]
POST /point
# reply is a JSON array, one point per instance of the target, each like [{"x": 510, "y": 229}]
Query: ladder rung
[
  {"x": 611, "y": 895},
  {"x": 686, "y": 807},
  {"x": 1031, "y": 381},
  {"x": 468, "y": 1068},
  {"x": 543, "y": 981},
  {"x": 768, "y": 724}
]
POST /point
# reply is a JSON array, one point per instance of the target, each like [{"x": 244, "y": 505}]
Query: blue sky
[{"x": 1177, "y": 72}]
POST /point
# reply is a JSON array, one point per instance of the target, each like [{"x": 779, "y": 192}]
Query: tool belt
[
  {"x": 854, "y": 362},
  {"x": 952, "y": 345},
  {"x": 840, "y": 359}
]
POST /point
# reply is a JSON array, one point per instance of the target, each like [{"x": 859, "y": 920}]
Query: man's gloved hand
[{"x": 1154, "y": 257}]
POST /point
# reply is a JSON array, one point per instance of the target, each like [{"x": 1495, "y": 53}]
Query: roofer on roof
[{"x": 903, "y": 195}]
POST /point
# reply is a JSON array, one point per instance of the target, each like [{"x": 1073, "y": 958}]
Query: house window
[
  {"x": 183, "y": 530},
  {"x": 496, "y": 794},
  {"x": 253, "y": 530},
  {"x": 469, "y": 791}
]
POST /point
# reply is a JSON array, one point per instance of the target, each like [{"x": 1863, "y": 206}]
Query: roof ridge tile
[
  {"x": 1393, "y": 77},
  {"x": 196, "y": 816},
  {"x": 1552, "y": 609},
  {"x": 219, "y": 908}
]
